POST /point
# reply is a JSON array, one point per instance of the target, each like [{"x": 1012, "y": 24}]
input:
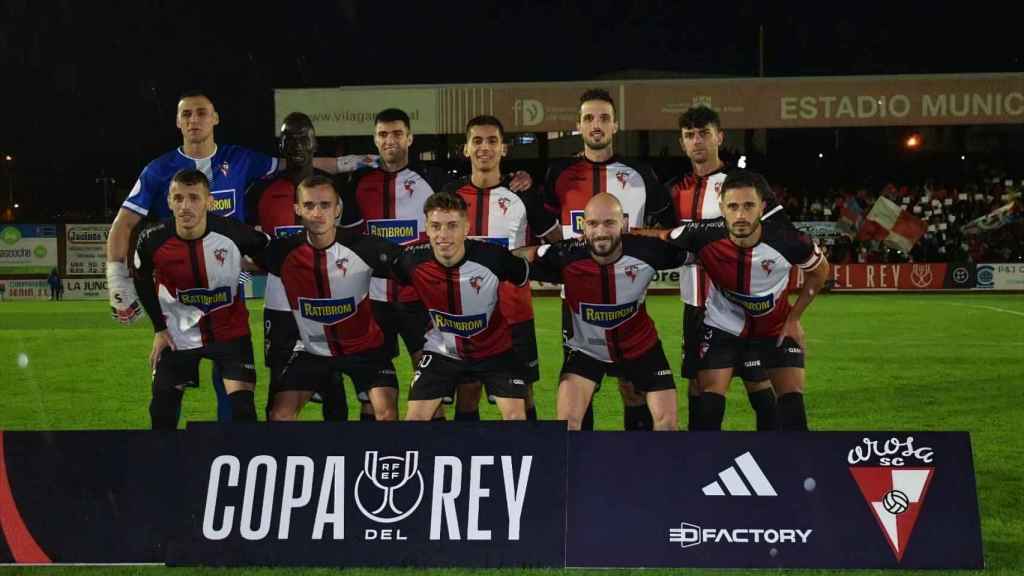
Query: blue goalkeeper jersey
[{"x": 230, "y": 169}]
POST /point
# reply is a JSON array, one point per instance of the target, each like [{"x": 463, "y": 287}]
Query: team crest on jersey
[
  {"x": 286, "y": 231},
  {"x": 342, "y": 264},
  {"x": 395, "y": 231},
  {"x": 464, "y": 326},
  {"x": 206, "y": 299},
  {"x": 608, "y": 316},
  {"x": 327, "y": 311},
  {"x": 223, "y": 203},
  {"x": 623, "y": 177},
  {"x": 755, "y": 305},
  {"x": 225, "y": 168},
  {"x": 477, "y": 282},
  {"x": 767, "y": 266},
  {"x": 503, "y": 242},
  {"x": 631, "y": 272},
  {"x": 503, "y": 204},
  {"x": 576, "y": 217},
  {"x": 220, "y": 254},
  {"x": 409, "y": 184}
]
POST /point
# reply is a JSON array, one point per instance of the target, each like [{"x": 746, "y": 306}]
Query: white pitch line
[{"x": 1014, "y": 312}]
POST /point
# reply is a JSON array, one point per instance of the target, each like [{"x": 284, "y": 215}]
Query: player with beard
[
  {"x": 606, "y": 275},
  {"x": 695, "y": 197},
  {"x": 571, "y": 183},
  {"x": 748, "y": 313}
]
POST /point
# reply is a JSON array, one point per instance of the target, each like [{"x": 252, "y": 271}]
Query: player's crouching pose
[
  {"x": 748, "y": 313},
  {"x": 326, "y": 284},
  {"x": 606, "y": 275},
  {"x": 469, "y": 339},
  {"x": 186, "y": 275}
]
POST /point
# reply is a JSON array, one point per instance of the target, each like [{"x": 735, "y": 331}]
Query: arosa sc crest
[{"x": 383, "y": 491}]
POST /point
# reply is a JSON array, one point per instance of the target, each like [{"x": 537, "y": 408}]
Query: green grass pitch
[{"x": 875, "y": 362}]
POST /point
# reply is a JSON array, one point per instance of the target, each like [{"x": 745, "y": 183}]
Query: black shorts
[
  {"x": 181, "y": 367},
  {"x": 409, "y": 319},
  {"x": 648, "y": 373},
  {"x": 566, "y": 329},
  {"x": 437, "y": 375},
  {"x": 720, "y": 349},
  {"x": 750, "y": 370},
  {"x": 308, "y": 372},
  {"x": 280, "y": 333}
]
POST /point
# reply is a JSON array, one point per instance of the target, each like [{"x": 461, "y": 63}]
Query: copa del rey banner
[{"x": 882, "y": 277}]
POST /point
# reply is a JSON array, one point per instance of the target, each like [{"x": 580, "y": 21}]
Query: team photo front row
[{"x": 471, "y": 295}]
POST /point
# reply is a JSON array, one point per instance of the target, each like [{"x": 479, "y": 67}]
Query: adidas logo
[{"x": 732, "y": 479}]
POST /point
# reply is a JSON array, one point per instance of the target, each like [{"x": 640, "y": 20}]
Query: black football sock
[
  {"x": 692, "y": 412},
  {"x": 461, "y": 416},
  {"x": 791, "y": 412},
  {"x": 637, "y": 418},
  {"x": 164, "y": 409},
  {"x": 588, "y": 418},
  {"x": 531, "y": 413},
  {"x": 243, "y": 408},
  {"x": 763, "y": 403},
  {"x": 712, "y": 411}
]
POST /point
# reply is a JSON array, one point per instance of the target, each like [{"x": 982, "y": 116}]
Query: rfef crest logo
[
  {"x": 389, "y": 488},
  {"x": 894, "y": 491}
]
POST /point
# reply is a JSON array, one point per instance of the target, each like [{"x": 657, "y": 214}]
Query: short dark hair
[
  {"x": 445, "y": 201},
  {"x": 597, "y": 94},
  {"x": 485, "y": 120},
  {"x": 190, "y": 177},
  {"x": 746, "y": 179},
  {"x": 195, "y": 93},
  {"x": 392, "y": 115},
  {"x": 699, "y": 117},
  {"x": 314, "y": 181}
]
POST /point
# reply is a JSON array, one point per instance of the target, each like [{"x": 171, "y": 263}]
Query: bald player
[{"x": 605, "y": 275}]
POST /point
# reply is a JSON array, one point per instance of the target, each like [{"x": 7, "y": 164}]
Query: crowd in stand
[{"x": 944, "y": 209}]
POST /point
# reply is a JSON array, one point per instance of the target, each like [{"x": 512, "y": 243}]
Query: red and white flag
[{"x": 893, "y": 225}]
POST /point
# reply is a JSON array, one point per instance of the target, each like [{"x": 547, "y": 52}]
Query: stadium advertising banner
[
  {"x": 388, "y": 494},
  {"x": 38, "y": 289},
  {"x": 27, "y": 249},
  {"x": 86, "y": 249},
  {"x": 743, "y": 103},
  {"x": 87, "y": 497},
  {"x": 1000, "y": 276},
  {"x": 881, "y": 277},
  {"x": 754, "y": 500}
]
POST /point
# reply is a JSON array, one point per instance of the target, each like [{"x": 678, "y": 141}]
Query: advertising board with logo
[
  {"x": 27, "y": 249},
  {"x": 744, "y": 500},
  {"x": 86, "y": 249},
  {"x": 1004, "y": 276},
  {"x": 403, "y": 494}
]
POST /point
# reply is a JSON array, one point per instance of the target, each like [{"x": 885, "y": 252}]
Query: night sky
[{"x": 90, "y": 88}]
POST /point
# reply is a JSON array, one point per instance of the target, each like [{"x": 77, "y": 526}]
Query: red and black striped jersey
[
  {"x": 748, "y": 296},
  {"x": 270, "y": 203},
  {"x": 390, "y": 206},
  {"x": 190, "y": 287},
  {"x": 571, "y": 183},
  {"x": 327, "y": 290},
  {"x": 609, "y": 316},
  {"x": 499, "y": 216},
  {"x": 695, "y": 199},
  {"x": 462, "y": 299}
]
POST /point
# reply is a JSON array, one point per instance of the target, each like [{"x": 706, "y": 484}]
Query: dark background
[{"x": 90, "y": 88}]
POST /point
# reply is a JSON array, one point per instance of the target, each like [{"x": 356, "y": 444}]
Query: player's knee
[
  {"x": 385, "y": 413},
  {"x": 164, "y": 409},
  {"x": 630, "y": 397}
]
